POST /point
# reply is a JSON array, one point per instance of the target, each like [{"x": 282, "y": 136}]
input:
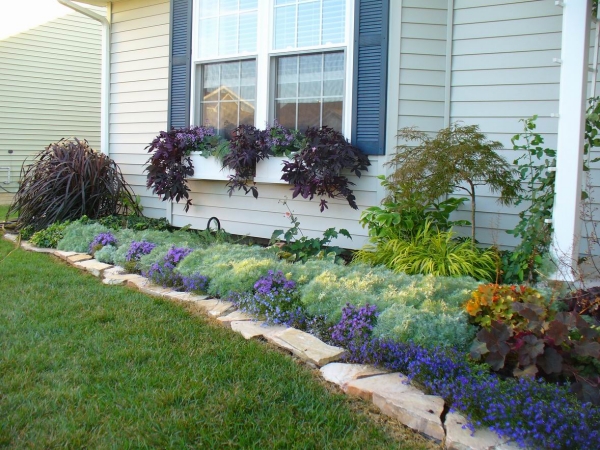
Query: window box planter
[
  {"x": 269, "y": 170},
  {"x": 209, "y": 168}
]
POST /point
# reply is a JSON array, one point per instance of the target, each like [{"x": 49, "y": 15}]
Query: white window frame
[{"x": 265, "y": 64}]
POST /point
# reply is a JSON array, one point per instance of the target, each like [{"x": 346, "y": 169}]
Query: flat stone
[
  {"x": 178, "y": 295},
  {"x": 114, "y": 270},
  {"x": 252, "y": 329},
  {"x": 119, "y": 280},
  {"x": 93, "y": 266},
  {"x": 341, "y": 373},
  {"x": 32, "y": 248},
  {"x": 11, "y": 237},
  {"x": 78, "y": 257},
  {"x": 198, "y": 298},
  {"x": 306, "y": 347},
  {"x": 63, "y": 255},
  {"x": 138, "y": 282},
  {"x": 235, "y": 316},
  {"x": 459, "y": 438},
  {"x": 414, "y": 409},
  {"x": 206, "y": 305},
  {"x": 387, "y": 385},
  {"x": 154, "y": 290},
  {"x": 221, "y": 308}
]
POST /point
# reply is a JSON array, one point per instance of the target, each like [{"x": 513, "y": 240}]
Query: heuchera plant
[
  {"x": 170, "y": 164},
  {"x": 317, "y": 169}
]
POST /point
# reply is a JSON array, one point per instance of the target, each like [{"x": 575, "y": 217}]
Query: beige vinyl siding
[
  {"x": 49, "y": 89},
  {"x": 503, "y": 71},
  {"x": 139, "y": 75}
]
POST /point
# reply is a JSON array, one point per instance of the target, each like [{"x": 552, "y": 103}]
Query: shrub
[
  {"x": 431, "y": 251},
  {"x": 106, "y": 254},
  {"x": 49, "y": 237},
  {"x": 69, "y": 180},
  {"x": 275, "y": 299},
  {"x": 79, "y": 235},
  {"x": 134, "y": 222},
  {"x": 230, "y": 268},
  {"x": 317, "y": 169}
]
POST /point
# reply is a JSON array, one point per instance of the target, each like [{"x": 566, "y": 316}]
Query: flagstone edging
[{"x": 392, "y": 393}]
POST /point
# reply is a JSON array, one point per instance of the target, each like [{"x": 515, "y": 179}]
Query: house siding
[
  {"x": 139, "y": 83},
  {"x": 50, "y": 89}
]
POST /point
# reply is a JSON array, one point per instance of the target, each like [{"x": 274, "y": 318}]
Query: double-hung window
[{"x": 260, "y": 61}]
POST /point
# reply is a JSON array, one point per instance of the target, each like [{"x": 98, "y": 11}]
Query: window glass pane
[
  {"x": 211, "y": 82},
  {"x": 285, "y": 27},
  {"x": 333, "y": 74},
  {"x": 248, "y": 4},
  {"x": 287, "y": 77},
  {"x": 309, "y": 77},
  {"x": 247, "y": 35},
  {"x": 228, "y": 38},
  {"x": 285, "y": 112},
  {"x": 227, "y": 6},
  {"x": 333, "y": 109},
  {"x": 309, "y": 113},
  {"x": 207, "y": 41},
  {"x": 309, "y": 24},
  {"x": 334, "y": 20},
  {"x": 319, "y": 98},
  {"x": 208, "y": 8},
  {"x": 284, "y": 2},
  {"x": 228, "y": 95}
]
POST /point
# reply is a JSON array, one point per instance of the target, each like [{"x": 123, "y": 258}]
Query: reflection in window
[
  {"x": 228, "y": 95},
  {"x": 309, "y": 90}
]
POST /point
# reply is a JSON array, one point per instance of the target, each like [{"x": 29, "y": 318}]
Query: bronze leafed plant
[
  {"x": 457, "y": 158},
  {"x": 68, "y": 180}
]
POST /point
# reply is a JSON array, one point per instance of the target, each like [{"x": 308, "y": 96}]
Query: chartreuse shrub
[
  {"x": 427, "y": 309},
  {"x": 49, "y": 237},
  {"x": 532, "y": 413},
  {"x": 230, "y": 268},
  {"x": 431, "y": 251}
]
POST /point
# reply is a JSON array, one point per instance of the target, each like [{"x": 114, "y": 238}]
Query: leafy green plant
[
  {"x": 69, "y": 180},
  {"x": 431, "y": 251},
  {"x": 458, "y": 157},
  {"x": 303, "y": 248},
  {"x": 134, "y": 222},
  {"x": 403, "y": 214},
  {"x": 49, "y": 237},
  {"x": 534, "y": 227}
]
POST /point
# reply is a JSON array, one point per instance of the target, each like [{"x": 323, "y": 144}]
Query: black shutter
[
  {"x": 180, "y": 64},
  {"x": 370, "y": 75}
]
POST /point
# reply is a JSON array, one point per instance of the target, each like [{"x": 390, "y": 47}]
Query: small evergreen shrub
[
  {"x": 275, "y": 299},
  {"x": 106, "y": 254},
  {"x": 79, "y": 235},
  {"x": 48, "y": 237}
]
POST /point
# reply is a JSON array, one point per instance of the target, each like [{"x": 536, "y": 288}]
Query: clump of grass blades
[
  {"x": 431, "y": 251},
  {"x": 68, "y": 180}
]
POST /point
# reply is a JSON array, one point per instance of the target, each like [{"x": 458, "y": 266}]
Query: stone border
[{"x": 392, "y": 393}]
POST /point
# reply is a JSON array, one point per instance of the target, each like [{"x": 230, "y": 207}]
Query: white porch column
[{"x": 572, "y": 102}]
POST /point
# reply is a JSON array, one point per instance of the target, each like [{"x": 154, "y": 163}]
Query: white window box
[
  {"x": 269, "y": 170},
  {"x": 209, "y": 168}
]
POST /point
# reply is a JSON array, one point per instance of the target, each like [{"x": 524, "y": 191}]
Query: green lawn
[{"x": 84, "y": 365}]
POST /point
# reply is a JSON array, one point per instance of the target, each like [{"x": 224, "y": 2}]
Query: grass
[{"x": 84, "y": 365}]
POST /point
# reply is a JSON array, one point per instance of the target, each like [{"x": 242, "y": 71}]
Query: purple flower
[
  {"x": 163, "y": 273},
  {"x": 137, "y": 249},
  {"x": 102, "y": 240}
]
